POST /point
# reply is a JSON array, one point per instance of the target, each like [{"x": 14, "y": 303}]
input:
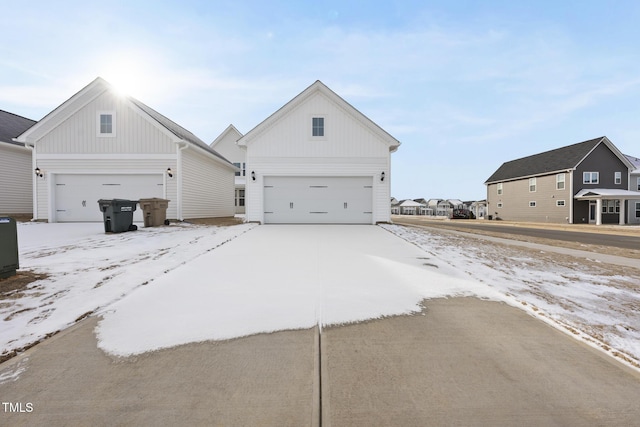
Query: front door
[{"x": 592, "y": 211}]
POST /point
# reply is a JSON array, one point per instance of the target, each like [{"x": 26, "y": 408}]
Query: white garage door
[
  {"x": 318, "y": 200},
  {"x": 76, "y": 196}
]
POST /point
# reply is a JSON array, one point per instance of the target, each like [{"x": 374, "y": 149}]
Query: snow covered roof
[{"x": 410, "y": 203}]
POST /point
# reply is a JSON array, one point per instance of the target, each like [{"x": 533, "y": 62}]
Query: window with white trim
[
  {"x": 317, "y": 126},
  {"x": 106, "y": 123},
  {"x": 499, "y": 205},
  {"x": 560, "y": 179},
  {"x": 532, "y": 185},
  {"x": 242, "y": 167},
  {"x": 499, "y": 188},
  {"x": 560, "y": 202},
  {"x": 638, "y": 209},
  {"x": 617, "y": 178},
  {"x": 610, "y": 206},
  {"x": 532, "y": 204},
  {"x": 590, "y": 177}
]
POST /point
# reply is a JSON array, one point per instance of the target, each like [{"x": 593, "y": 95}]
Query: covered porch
[{"x": 607, "y": 201}]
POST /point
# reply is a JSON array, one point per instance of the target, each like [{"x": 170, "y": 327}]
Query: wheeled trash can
[
  {"x": 118, "y": 215},
  {"x": 8, "y": 247},
  {"x": 154, "y": 211}
]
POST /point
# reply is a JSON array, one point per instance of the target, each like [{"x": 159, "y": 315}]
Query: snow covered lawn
[
  {"x": 88, "y": 269},
  {"x": 161, "y": 287},
  {"x": 596, "y": 302}
]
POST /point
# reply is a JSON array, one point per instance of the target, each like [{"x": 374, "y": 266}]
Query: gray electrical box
[{"x": 8, "y": 247}]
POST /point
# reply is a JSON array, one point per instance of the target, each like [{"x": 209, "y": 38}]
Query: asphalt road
[{"x": 602, "y": 239}]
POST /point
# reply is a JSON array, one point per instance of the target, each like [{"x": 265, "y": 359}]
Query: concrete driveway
[{"x": 457, "y": 361}]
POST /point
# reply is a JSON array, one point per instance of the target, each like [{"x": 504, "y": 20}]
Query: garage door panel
[
  {"x": 318, "y": 200},
  {"x": 76, "y": 196}
]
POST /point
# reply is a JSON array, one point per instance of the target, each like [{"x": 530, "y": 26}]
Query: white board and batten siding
[
  {"x": 282, "y": 150},
  {"x": 206, "y": 192},
  {"x": 16, "y": 169}
]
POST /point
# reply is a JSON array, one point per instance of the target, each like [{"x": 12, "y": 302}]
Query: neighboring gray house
[
  {"x": 587, "y": 182},
  {"x": 100, "y": 144},
  {"x": 16, "y": 170},
  {"x": 225, "y": 144}
]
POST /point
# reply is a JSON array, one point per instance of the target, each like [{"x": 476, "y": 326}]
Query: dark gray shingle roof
[
  {"x": 550, "y": 161},
  {"x": 12, "y": 125},
  {"x": 176, "y": 129}
]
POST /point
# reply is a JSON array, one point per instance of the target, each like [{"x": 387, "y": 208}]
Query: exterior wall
[
  {"x": 207, "y": 187},
  {"x": 228, "y": 148},
  {"x": 516, "y": 197},
  {"x": 16, "y": 180},
  {"x": 348, "y": 148},
  {"x": 100, "y": 165},
  {"x": 634, "y": 186},
  {"x": 604, "y": 161},
  {"x": 134, "y": 133}
]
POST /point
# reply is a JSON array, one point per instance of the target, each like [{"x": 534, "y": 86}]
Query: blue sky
[{"x": 464, "y": 85}]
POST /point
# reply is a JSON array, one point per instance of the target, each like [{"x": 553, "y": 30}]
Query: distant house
[
  {"x": 479, "y": 208},
  {"x": 318, "y": 160},
  {"x": 16, "y": 169},
  {"x": 100, "y": 144},
  {"x": 395, "y": 206},
  {"x": 409, "y": 207},
  {"x": 225, "y": 144},
  {"x": 587, "y": 182}
]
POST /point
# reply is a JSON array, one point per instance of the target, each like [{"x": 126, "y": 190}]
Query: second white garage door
[
  {"x": 76, "y": 196},
  {"x": 318, "y": 200}
]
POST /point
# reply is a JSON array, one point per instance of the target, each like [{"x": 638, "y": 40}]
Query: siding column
[{"x": 622, "y": 212}]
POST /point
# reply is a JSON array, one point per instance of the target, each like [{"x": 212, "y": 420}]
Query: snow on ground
[
  {"x": 596, "y": 302},
  {"x": 278, "y": 278},
  {"x": 88, "y": 269},
  {"x": 275, "y": 278}
]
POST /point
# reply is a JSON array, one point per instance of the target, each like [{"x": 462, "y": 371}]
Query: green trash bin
[
  {"x": 118, "y": 215},
  {"x": 8, "y": 247}
]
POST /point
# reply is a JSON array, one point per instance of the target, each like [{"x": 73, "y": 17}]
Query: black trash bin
[
  {"x": 8, "y": 247},
  {"x": 118, "y": 215}
]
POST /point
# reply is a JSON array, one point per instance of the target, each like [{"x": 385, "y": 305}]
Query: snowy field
[{"x": 160, "y": 287}]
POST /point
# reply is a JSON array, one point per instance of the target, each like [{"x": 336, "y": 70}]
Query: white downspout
[
  {"x": 34, "y": 181},
  {"x": 181, "y": 147},
  {"x": 571, "y": 199}
]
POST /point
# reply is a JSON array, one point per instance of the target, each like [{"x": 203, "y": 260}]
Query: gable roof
[
  {"x": 318, "y": 86},
  {"x": 91, "y": 92},
  {"x": 230, "y": 129},
  {"x": 557, "y": 160},
  {"x": 635, "y": 161},
  {"x": 12, "y": 125}
]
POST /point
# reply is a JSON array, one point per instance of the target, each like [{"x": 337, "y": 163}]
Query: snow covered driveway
[
  {"x": 162, "y": 287},
  {"x": 279, "y": 277}
]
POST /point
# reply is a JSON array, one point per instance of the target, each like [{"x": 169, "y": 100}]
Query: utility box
[
  {"x": 154, "y": 211},
  {"x": 9, "y": 262},
  {"x": 118, "y": 215}
]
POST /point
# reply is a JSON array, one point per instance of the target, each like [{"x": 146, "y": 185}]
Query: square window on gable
[
  {"x": 106, "y": 123},
  {"x": 317, "y": 126}
]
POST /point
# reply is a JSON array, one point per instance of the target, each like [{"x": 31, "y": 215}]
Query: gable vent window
[
  {"x": 618, "y": 177},
  {"x": 106, "y": 123},
  {"x": 317, "y": 126}
]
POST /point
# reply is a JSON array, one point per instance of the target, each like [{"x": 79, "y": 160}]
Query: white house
[
  {"x": 225, "y": 144},
  {"x": 102, "y": 145},
  {"x": 15, "y": 166},
  {"x": 318, "y": 160}
]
